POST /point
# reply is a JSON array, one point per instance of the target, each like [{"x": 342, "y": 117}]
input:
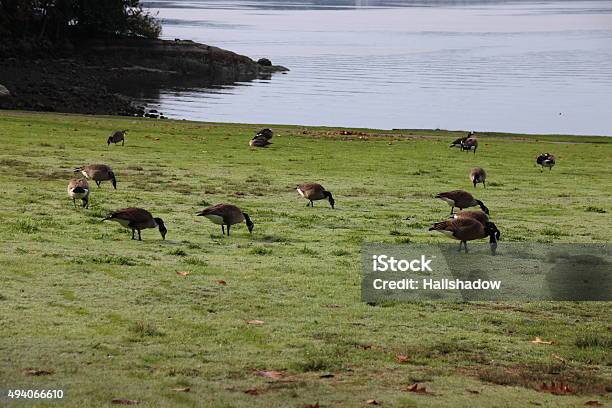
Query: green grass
[{"x": 111, "y": 318}]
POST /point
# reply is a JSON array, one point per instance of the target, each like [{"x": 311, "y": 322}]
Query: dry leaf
[
  {"x": 372, "y": 402},
  {"x": 401, "y": 358},
  {"x": 252, "y": 391},
  {"x": 255, "y": 322},
  {"x": 271, "y": 374},
  {"x": 182, "y": 273},
  {"x": 326, "y": 375},
  {"x": 559, "y": 358},
  {"x": 221, "y": 282},
  {"x": 415, "y": 388},
  {"x": 593, "y": 403},
  {"x": 36, "y": 372},
  {"x": 186, "y": 389},
  {"x": 473, "y": 391},
  {"x": 123, "y": 401},
  {"x": 538, "y": 340},
  {"x": 557, "y": 389}
]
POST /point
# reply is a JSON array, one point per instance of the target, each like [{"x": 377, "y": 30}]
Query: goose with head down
[
  {"x": 137, "y": 219},
  {"x": 468, "y": 229},
  {"x": 461, "y": 199},
  {"x": 226, "y": 215}
]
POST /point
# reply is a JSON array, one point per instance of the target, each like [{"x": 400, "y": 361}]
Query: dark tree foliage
[{"x": 60, "y": 20}]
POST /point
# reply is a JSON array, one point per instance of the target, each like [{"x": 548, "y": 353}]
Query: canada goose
[
  {"x": 461, "y": 199},
  {"x": 478, "y": 215},
  {"x": 137, "y": 219},
  {"x": 97, "y": 173},
  {"x": 458, "y": 142},
  {"x": 226, "y": 215},
  {"x": 478, "y": 175},
  {"x": 314, "y": 192},
  {"x": 468, "y": 229},
  {"x": 79, "y": 189},
  {"x": 259, "y": 142},
  {"x": 265, "y": 133},
  {"x": 471, "y": 143},
  {"x": 546, "y": 160},
  {"x": 116, "y": 137}
]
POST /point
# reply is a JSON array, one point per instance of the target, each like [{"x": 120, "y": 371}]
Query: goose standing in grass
[
  {"x": 546, "y": 160},
  {"x": 98, "y": 173},
  {"x": 468, "y": 229},
  {"x": 461, "y": 199},
  {"x": 266, "y": 133},
  {"x": 259, "y": 142},
  {"x": 471, "y": 143},
  {"x": 137, "y": 219},
  {"x": 478, "y": 175},
  {"x": 116, "y": 137},
  {"x": 314, "y": 192},
  {"x": 477, "y": 215},
  {"x": 458, "y": 142},
  {"x": 79, "y": 189},
  {"x": 226, "y": 215}
]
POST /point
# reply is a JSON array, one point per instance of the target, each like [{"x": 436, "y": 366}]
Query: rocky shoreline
[{"x": 106, "y": 76}]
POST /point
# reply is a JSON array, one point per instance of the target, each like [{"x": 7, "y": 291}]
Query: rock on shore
[{"x": 102, "y": 76}]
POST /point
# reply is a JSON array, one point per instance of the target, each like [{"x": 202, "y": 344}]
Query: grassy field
[{"x": 109, "y": 317}]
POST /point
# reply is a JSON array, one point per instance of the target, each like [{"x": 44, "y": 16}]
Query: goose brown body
[
  {"x": 468, "y": 229},
  {"x": 314, "y": 192},
  {"x": 479, "y": 216},
  {"x": 471, "y": 143},
  {"x": 461, "y": 199},
  {"x": 79, "y": 189},
  {"x": 98, "y": 173},
  {"x": 478, "y": 175},
  {"x": 226, "y": 215},
  {"x": 137, "y": 219},
  {"x": 116, "y": 137}
]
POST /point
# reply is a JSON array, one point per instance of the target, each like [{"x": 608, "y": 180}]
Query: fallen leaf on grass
[
  {"x": 372, "y": 402},
  {"x": 557, "y": 389},
  {"x": 401, "y": 358},
  {"x": 415, "y": 388},
  {"x": 255, "y": 322},
  {"x": 271, "y": 374},
  {"x": 593, "y": 403},
  {"x": 559, "y": 358},
  {"x": 539, "y": 340},
  {"x": 123, "y": 401},
  {"x": 316, "y": 405},
  {"x": 252, "y": 391},
  {"x": 182, "y": 273},
  {"x": 473, "y": 391},
  {"x": 36, "y": 372},
  {"x": 221, "y": 282},
  {"x": 185, "y": 389},
  {"x": 327, "y": 375}
]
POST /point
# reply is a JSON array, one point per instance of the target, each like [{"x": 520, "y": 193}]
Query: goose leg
[
  {"x": 223, "y": 229},
  {"x": 133, "y": 233},
  {"x": 228, "y": 227},
  {"x": 465, "y": 245},
  {"x": 140, "y": 239},
  {"x": 460, "y": 243},
  {"x": 452, "y": 209},
  {"x": 312, "y": 203},
  {"x": 98, "y": 183},
  {"x": 74, "y": 202}
]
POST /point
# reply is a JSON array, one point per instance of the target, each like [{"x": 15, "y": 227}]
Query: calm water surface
[{"x": 522, "y": 66}]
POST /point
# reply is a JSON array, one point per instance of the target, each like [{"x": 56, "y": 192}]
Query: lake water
[{"x": 521, "y": 66}]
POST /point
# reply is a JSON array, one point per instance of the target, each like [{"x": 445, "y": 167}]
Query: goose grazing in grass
[
  {"x": 461, "y": 199},
  {"x": 116, "y": 137},
  {"x": 468, "y": 229},
  {"x": 259, "y": 142},
  {"x": 98, "y": 173},
  {"x": 79, "y": 189},
  {"x": 478, "y": 175},
  {"x": 314, "y": 192},
  {"x": 546, "y": 160},
  {"x": 226, "y": 215},
  {"x": 477, "y": 215},
  {"x": 458, "y": 142},
  {"x": 137, "y": 219},
  {"x": 266, "y": 133}
]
